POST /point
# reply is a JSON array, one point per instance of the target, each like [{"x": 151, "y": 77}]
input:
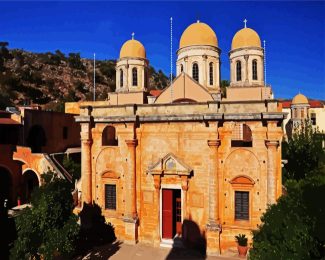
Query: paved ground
[{"x": 120, "y": 251}]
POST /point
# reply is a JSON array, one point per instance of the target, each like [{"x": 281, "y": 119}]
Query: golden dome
[
  {"x": 198, "y": 34},
  {"x": 300, "y": 99},
  {"x": 134, "y": 49},
  {"x": 245, "y": 37}
]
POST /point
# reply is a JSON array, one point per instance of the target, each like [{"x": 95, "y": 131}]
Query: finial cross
[
  {"x": 132, "y": 35},
  {"x": 245, "y": 22}
]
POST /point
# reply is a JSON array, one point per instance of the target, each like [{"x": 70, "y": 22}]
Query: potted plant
[{"x": 241, "y": 240}]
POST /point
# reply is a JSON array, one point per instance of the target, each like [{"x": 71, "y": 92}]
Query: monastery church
[{"x": 184, "y": 162}]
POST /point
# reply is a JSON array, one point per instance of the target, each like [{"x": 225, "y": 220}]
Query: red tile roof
[
  {"x": 312, "y": 103},
  {"x": 8, "y": 121},
  {"x": 155, "y": 92}
]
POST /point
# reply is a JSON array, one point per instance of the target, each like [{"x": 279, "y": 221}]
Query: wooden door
[{"x": 167, "y": 213}]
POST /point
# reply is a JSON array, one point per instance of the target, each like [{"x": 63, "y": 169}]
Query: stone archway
[
  {"x": 5, "y": 187},
  {"x": 30, "y": 182}
]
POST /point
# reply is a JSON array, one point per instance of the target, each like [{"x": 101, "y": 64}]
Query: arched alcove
[
  {"x": 30, "y": 183},
  {"x": 109, "y": 136}
]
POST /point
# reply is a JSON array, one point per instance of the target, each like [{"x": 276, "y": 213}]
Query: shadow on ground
[
  {"x": 97, "y": 238},
  {"x": 193, "y": 241},
  {"x": 8, "y": 233}
]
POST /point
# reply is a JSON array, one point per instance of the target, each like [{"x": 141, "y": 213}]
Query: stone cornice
[{"x": 184, "y": 117}]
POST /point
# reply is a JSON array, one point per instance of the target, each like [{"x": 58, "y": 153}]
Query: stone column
[
  {"x": 271, "y": 170},
  {"x": 131, "y": 209},
  {"x": 246, "y": 68},
  {"x": 205, "y": 70},
  {"x": 213, "y": 184},
  {"x": 184, "y": 185},
  {"x": 212, "y": 227},
  {"x": 157, "y": 183},
  {"x": 86, "y": 143},
  {"x": 130, "y": 216}
]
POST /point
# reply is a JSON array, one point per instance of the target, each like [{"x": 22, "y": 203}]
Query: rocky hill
[{"x": 50, "y": 79}]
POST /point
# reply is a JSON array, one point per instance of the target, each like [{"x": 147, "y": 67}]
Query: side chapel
[{"x": 155, "y": 162}]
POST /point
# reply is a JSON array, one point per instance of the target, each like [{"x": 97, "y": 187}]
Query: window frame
[
  {"x": 195, "y": 73},
  {"x": 105, "y": 203},
  {"x": 134, "y": 77},
  {"x": 248, "y": 205},
  {"x": 254, "y": 70},
  {"x": 211, "y": 79},
  {"x": 121, "y": 78},
  {"x": 238, "y": 71},
  {"x": 313, "y": 118},
  {"x": 65, "y": 133}
]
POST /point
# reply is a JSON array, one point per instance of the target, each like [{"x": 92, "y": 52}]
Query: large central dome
[{"x": 198, "y": 34}]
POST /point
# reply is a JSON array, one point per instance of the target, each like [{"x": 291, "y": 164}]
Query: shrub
[
  {"x": 241, "y": 239},
  {"x": 49, "y": 227}
]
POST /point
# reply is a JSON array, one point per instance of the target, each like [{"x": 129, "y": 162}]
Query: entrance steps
[{"x": 176, "y": 242}]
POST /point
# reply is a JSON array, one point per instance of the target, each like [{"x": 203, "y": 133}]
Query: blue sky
[{"x": 294, "y": 33}]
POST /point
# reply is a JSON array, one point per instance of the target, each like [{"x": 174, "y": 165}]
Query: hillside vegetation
[{"x": 50, "y": 79}]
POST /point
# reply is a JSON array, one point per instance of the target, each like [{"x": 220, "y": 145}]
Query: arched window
[
  {"x": 134, "y": 77},
  {"x": 238, "y": 71},
  {"x": 241, "y": 136},
  {"x": 182, "y": 68},
  {"x": 302, "y": 113},
  {"x": 121, "y": 78},
  {"x": 109, "y": 136},
  {"x": 195, "y": 72},
  {"x": 211, "y": 73},
  {"x": 254, "y": 69}
]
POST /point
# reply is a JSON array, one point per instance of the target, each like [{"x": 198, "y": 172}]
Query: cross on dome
[
  {"x": 132, "y": 34},
  {"x": 245, "y": 22}
]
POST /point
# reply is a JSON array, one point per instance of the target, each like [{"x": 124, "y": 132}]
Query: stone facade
[{"x": 190, "y": 151}]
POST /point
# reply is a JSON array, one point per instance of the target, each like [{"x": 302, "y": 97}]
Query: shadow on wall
[
  {"x": 96, "y": 236},
  {"x": 192, "y": 245}
]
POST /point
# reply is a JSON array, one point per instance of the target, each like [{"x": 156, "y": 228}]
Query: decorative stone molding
[
  {"x": 212, "y": 143},
  {"x": 132, "y": 142},
  {"x": 170, "y": 165},
  {"x": 270, "y": 143},
  {"x": 213, "y": 226}
]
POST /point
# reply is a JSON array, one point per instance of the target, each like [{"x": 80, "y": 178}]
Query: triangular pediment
[
  {"x": 184, "y": 88},
  {"x": 170, "y": 164}
]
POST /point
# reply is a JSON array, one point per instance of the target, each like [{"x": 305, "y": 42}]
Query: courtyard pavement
[{"x": 120, "y": 251}]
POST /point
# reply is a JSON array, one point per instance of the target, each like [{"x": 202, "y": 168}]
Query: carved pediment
[
  {"x": 110, "y": 174},
  {"x": 243, "y": 180},
  {"x": 170, "y": 165}
]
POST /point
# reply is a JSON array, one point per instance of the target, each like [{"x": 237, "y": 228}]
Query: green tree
[
  {"x": 72, "y": 167},
  {"x": 223, "y": 86},
  {"x": 304, "y": 152},
  {"x": 294, "y": 228},
  {"x": 49, "y": 227}
]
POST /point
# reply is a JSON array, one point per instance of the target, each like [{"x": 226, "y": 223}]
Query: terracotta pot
[{"x": 242, "y": 250}]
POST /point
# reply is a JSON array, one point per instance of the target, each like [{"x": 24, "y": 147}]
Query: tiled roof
[
  {"x": 155, "y": 92},
  {"x": 8, "y": 121},
  {"x": 312, "y": 103}
]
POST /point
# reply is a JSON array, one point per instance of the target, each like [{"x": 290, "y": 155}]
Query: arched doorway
[
  {"x": 5, "y": 187},
  {"x": 36, "y": 138},
  {"x": 31, "y": 182}
]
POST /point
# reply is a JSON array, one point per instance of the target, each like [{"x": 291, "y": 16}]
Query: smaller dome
[
  {"x": 198, "y": 34},
  {"x": 245, "y": 37},
  {"x": 300, "y": 99},
  {"x": 133, "y": 49}
]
